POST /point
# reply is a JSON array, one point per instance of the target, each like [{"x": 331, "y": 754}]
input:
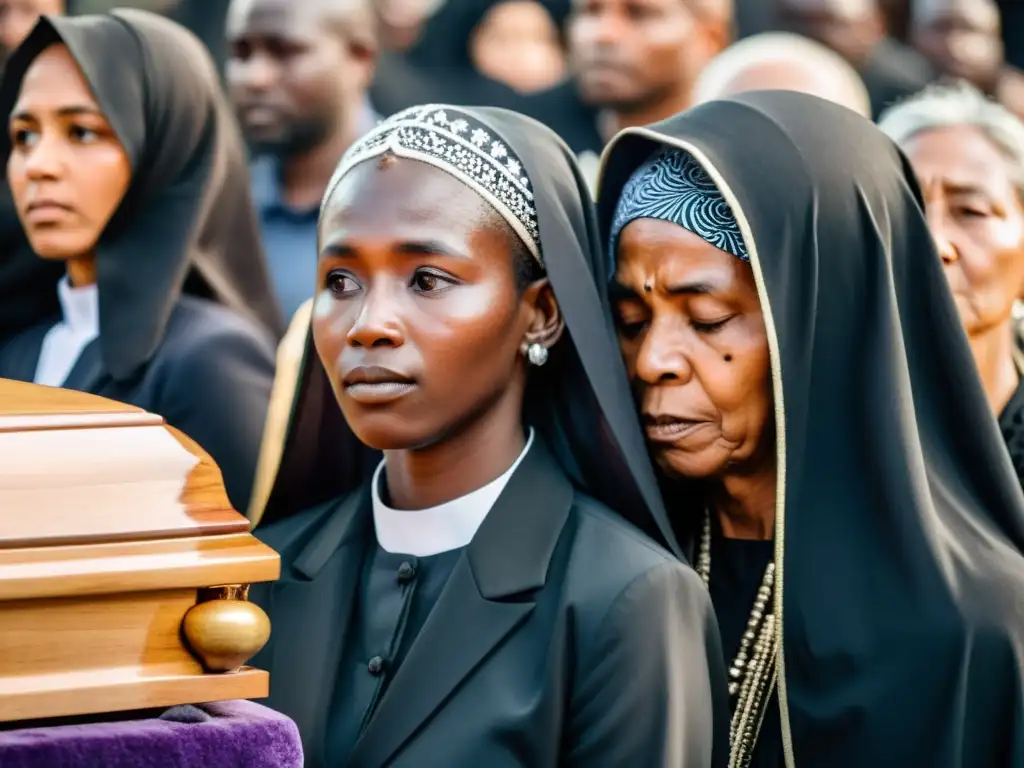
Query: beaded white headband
[{"x": 461, "y": 145}]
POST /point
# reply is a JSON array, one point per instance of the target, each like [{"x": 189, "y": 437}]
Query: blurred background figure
[
  {"x": 968, "y": 154},
  {"x": 632, "y": 62},
  {"x": 518, "y": 43},
  {"x": 783, "y": 61},
  {"x": 856, "y": 30},
  {"x": 298, "y": 75},
  {"x": 17, "y": 17},
  {"x": 963, "y": 39},
  {"x": 400, "y": 22},
  {"x": 476, "y": 53}
]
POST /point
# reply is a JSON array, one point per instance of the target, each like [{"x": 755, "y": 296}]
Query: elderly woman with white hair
[{"x": 968, "y": 154}]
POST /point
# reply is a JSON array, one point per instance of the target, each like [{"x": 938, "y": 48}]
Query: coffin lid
[{"x": 80, "y": 469}]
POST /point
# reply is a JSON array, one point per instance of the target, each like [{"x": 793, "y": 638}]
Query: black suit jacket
[
  {"x": 564, "y": 636},
  {"x": 210, "y": 377}
]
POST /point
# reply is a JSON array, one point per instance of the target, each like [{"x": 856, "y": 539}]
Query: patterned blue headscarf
[{"x": 672, "y": 186}]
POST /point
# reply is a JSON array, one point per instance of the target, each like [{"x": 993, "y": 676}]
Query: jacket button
[
  {"x": 406, "y": 572},
  {"x": 376, "y": 665}
]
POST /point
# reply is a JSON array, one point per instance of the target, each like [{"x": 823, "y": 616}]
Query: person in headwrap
[
  {"x": 472, "y": 601},
  {"x": 128, "y": 176},
  {"x": 804, "y": 384},
  {"x": 439, "y": 66}
]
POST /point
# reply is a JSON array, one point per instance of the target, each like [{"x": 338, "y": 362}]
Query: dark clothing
[
  {"x": 396, "y": 594},
  {"x": 892, "y": 72},
  {"x": 1011, "y": 423},
  {"x": 899, "y": 587},
  {"x": 563, "y": 637},
  {"x": 562, "y": 110},
  {"x": 187, "y": 223},
  {"x": 736, "y": 575},
  {"x": 210, "y": 377},
  {"x": 438, "y": 67}
]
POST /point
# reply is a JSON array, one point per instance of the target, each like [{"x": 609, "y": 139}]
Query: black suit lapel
[
  {"x": 19, "y": 356},
  {"x": 311, "y": 612},
  {"x": 88, "y": 373},
  {"x": 509, "y": 556}
]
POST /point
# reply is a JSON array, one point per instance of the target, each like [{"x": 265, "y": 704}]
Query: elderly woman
[
  {"x": 968, "y": 154},
  {"x": 798, "y": 366}
]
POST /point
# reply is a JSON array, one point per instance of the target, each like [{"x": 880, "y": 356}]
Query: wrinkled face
[
  {"x": 291, "y": 76},
  {"x": 517, "y": 44},
  {"x": 696, "y": 350},
  {"x": 418, "y": 321},
  {"x": 975, "y": 215},
  {"x": 632, "y": 53},
  {"x": 17, "y": 17},
  {"x": 67, "y": 170},
  {"x": 962, "y": 38}
]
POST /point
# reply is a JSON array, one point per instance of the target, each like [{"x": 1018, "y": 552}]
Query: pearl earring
[{"x": 537, "y": 354}]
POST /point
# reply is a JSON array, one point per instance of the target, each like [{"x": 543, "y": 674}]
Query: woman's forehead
[
  {"x": 400, "y": 190},
  {"x": 51, "y": 80},
  {"x": 405, "y": 201}
]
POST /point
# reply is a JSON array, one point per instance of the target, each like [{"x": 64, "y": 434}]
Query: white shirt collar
[
  {"x": 448, "y": 526},
  {"x": 65, "y": 341},
  {"x": 80, "y": 308}
]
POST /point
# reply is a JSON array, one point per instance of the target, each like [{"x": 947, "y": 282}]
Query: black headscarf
[
  {"x": 186, "y": 221},
  {"x": 579, "y": 402},
  {"x": 899, "y": 520},
  {"x": 438, "y": 67}
]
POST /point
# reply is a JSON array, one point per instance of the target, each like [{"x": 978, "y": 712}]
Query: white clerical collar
[
  {"x": 452, "y": 525},
  {"x": 80, "y": 308}
]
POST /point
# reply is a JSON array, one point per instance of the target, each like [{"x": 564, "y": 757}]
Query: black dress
[
  {"x": 1011, "y": 423},
  {"x": 900, "y": 515},
  {"x": 737, "y": 569}
]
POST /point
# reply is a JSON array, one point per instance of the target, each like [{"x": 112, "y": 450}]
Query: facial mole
[{"x": 728, "y": 358}]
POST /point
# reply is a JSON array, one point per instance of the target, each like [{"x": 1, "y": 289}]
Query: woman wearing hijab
[
  {"x": 440, "y": 65},
  {"x": 471, "y": 601},
  {"x": 129, "y": 180},
  {"x": 968, "y": 154},
  {"x": 799, "y": 368}
]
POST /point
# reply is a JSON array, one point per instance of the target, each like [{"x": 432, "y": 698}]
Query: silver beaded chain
[{"x": 752, "y": 672}]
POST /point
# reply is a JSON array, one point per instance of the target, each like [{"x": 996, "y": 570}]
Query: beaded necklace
[{"x": 752, "y": 672}]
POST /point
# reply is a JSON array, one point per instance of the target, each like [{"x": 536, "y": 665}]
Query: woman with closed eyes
[{"x": 798, "y": 364}]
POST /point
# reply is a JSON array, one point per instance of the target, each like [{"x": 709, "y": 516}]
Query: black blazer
[
  {"x": 210, "y": 377},
  {"x": 564, "y": 636}
]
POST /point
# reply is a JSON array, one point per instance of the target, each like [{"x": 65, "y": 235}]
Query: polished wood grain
[
  {"x": 204, "y": 507},
  {"x": 135, "y": 566},
  {"x": 18, "y": 398},
  {"x": 113, "y": 652},
  {"x": 92, "y": 605}
]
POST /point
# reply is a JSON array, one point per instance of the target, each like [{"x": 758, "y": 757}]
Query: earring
[{"x": 537, "y": 354}]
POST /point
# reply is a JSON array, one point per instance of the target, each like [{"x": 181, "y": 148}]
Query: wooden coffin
[{"x": 124, "y": 571}]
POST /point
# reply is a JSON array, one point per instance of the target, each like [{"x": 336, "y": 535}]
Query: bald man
[{"x": 783, "y": 61}]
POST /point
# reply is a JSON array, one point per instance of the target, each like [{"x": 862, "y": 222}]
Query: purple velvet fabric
[{"x": 231, "y": 734}]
